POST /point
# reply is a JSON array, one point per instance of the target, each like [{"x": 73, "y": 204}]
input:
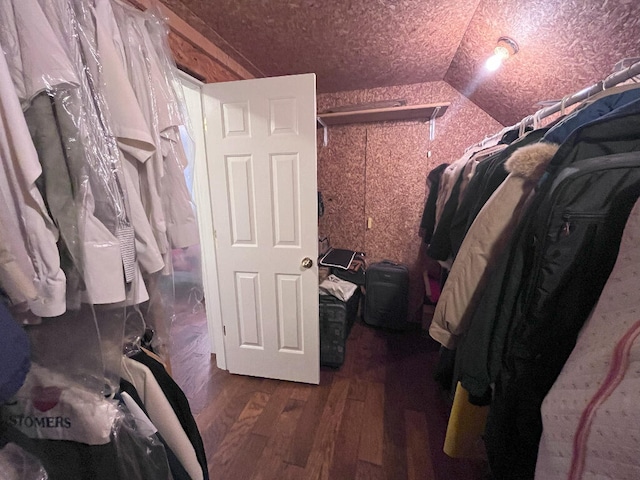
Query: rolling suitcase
[
  {"x": 336, "y": 320},
  {"x": 386, "y": 296}
]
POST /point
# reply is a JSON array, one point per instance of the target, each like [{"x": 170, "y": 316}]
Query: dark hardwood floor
[{"x": 379, "y": 416}]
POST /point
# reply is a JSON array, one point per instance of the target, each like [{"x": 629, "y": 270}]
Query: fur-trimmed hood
[{"x": 530, "y": 161}]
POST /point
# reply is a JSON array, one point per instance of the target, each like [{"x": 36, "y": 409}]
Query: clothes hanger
[
  {"x": 563, "y": 105},
  {"x": 537, "y": 120},
  {"x": 197, "y": 295},
  {"x": 523, "y": 125},
  {"x": 134, "y": 329}
]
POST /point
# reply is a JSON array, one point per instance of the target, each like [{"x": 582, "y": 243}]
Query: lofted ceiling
[{"x": 565, "y": 45}]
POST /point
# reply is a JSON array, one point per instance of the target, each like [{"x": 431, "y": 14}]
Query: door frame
[{"x": 206, "y": 228}]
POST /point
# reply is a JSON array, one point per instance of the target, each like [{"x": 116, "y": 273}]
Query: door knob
[{"x": 306, "y": 262}]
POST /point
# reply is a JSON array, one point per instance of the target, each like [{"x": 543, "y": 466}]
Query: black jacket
[
  {"x": 543, "y": 290},
  {"x": 480, "y": 352},
  {"x": 571, "y": 246},
  {"x": 428, "y": 220}
]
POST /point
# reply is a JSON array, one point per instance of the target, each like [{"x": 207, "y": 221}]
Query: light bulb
[
  {"x": 501, "y": 52},
  {"x": 493, "y": 62}
]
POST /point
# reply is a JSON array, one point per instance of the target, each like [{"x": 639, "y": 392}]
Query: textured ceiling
[{"x": 354, "y": 44}]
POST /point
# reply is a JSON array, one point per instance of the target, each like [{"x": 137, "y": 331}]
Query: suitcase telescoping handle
[{"x": 389, "y": 262}]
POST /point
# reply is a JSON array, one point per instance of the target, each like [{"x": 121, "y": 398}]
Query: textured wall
[
  {"x": 379, "y": 170},
  {"x": 341, "y": 166}
]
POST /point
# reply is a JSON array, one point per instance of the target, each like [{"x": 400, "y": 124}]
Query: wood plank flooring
[{"x": 379, "y": 416}]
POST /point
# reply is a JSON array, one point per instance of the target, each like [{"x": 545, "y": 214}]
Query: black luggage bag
[
  {"x": 386, "y": 296},
  {"x": 336, "y": 320}
]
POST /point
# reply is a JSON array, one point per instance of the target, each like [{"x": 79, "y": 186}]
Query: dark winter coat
[
  {"x": 428, "y": 221},
  {"x": 542, "y": 291}
]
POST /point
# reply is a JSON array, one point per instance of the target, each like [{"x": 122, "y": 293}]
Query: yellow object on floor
[{"x": 465, "y": 428}]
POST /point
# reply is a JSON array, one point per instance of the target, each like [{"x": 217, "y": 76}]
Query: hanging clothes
[
  {"x": 162, "y": 415},
  {"x": 593, "y": 109},
  {"x": 156, "y": 463},
  {"x": 428, "y": 220},
  {"x": 50, "y": 406},
  {"x": 450, "y": 176},
  {"x": 179, "y": 403},
  {"x": 91, "y": 193},
  {"x": 480, "y": 357},
  {"x": 64, "y": 460},
  {"x": 177, "y": 470},
  {"x": 488, "y": 176},
  {"x": 31, "y": 252},
  {"x": 160, "y": 179},
  {"x": 590, "y": 424},
  {"x": 73, "y": 23},
  {"x": 450, "y": 194},
  {"x": 547, "y": 288},
  {"x": 485, "y": 242},
  {"x": 92, "y": 173},
  {"x": 133, "y": 134},
  {"x": 79, "y": 434}
]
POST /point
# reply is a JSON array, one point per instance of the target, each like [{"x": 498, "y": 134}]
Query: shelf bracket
[
  {"x": 432, "y": 124},
  {"x": 325, "y": 140}
]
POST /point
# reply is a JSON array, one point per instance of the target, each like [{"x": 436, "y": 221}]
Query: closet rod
[{"x": 610, "y": 81}]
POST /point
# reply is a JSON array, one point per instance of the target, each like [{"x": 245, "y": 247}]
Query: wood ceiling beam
[{"x": 195, "y": 53}]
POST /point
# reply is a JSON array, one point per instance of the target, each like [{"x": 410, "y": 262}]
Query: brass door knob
[{"x": 306, "y": 262}]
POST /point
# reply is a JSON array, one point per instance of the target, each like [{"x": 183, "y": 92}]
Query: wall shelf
[
  {"x": 405, "y": 112},
  {"x": 428, "y": 112}
]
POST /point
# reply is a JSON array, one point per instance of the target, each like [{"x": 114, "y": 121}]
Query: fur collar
[{"x": 530, "y": 161}]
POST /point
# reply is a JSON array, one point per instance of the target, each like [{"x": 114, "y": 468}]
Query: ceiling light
[{"x": 505, "y": 48}]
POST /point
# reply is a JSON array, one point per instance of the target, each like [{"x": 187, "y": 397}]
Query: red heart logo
[{"x": 45, "y": 398}]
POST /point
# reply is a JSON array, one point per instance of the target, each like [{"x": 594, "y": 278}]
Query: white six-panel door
[{"x": 261, "y": 149}]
